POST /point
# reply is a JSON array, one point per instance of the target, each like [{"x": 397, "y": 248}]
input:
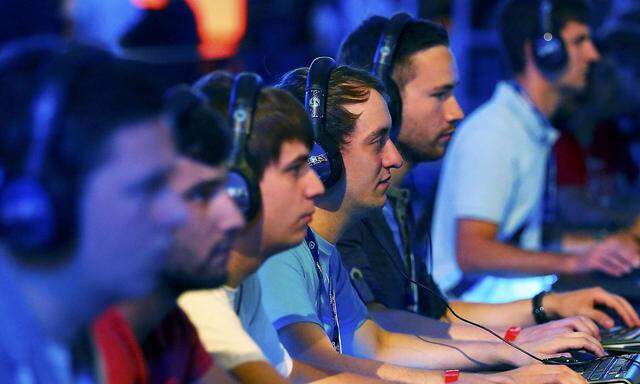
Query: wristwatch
[{"x": 539, "y": 314}]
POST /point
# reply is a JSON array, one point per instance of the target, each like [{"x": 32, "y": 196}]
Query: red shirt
[
  {"x": 171, "y": 354},
  {"x": 570, "y": 161}
]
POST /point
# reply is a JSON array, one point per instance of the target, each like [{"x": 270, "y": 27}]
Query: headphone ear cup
[
  {"x": 326, "y": 160},
  {"x": 325, "y": 157},
  {"x": 319, "y": 161},
  {"x": 242, "y": 183},
  {"x": 550, "y": 56},
  {"x": 244, "y": 189},
  {"x": 27, "y": 214}
]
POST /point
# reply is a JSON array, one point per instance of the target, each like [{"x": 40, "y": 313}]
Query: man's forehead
[
  {"x": 292, "y": 150},
  {"x": 139, "y": 138},
  {"x": 142, "y": 145},
  {"x": 193, "y": 169},
  {"x": 574, "y": 28},
  {"x": 373, "y": 115}
]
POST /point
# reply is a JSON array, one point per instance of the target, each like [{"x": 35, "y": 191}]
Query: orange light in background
[
  {"x": 154, "y": 5},
  {"x": 221, "y": 26}
]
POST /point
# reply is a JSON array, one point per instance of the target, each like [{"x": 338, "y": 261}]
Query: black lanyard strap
[{"x": 336, "y": 339}]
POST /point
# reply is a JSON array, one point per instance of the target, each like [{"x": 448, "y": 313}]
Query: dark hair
[
  {"x": 519, "y": 22},
  {"x": 347, "y": 85},
  {"x": 98, "y": 96},
  {"x": 278, "y": 118},
  {"x": 200, "y": 133},
  {"x": 359, "y": 48}
]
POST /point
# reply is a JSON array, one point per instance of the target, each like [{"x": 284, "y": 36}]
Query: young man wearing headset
[
  {"x": 380, "y": 246},
  {"x": 87, "y": 211},
  {"x": 492, "y": 197}
]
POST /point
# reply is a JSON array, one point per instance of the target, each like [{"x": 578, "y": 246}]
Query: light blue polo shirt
[
  {"x": 291, "y": 291},
  {"x": 494, "y": 170},
  {"x": 27, "y": 354}
]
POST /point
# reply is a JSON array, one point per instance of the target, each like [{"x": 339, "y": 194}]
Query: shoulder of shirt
[
  {"x": 491, "y": 122},
  {"x": 490, "y": 116},
  {"x": 251, "y": 285},
  {"x": 205, "y": 293},
  {"x": 299, "y": 252},
  {"x": 297, "y": 258}
]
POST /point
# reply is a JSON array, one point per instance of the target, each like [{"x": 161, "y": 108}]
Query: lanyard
[
  {"x": 399, "y": 203},
  {"x": 239, "y": 295},
  {"x": 336, "y": 340}
]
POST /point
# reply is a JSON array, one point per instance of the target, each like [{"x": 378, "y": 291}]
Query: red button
[
  {"x": 451, "y": 375},
  {"x": 512, "y": 333}
]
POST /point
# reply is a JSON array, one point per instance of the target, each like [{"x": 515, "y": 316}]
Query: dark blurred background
[{"x": 186, "y": 38}]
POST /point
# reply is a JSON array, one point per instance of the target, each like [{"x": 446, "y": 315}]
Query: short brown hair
[
  {"x": 359, "y": 47},
  {"x": 278, "y": 118},
  {"x": 347, "y": 85}
]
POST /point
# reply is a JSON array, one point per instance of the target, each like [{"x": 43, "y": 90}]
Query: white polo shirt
[{"x": 494, "y": 170}]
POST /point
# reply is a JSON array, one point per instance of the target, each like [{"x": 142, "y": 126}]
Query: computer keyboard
[
  {"x": 611, "y": 369},
  {"x": 620, "y": 333}
]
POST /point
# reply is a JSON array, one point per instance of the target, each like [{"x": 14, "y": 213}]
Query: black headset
[
  {"x": 27, "y": 212},
  {"x": 325, "y": 157},
  {"x": 549, "y": 51},
  {"x": 32, "y": 217},
  {"x": 242, "y": 182},
  {"x": 383, "y": 66}
]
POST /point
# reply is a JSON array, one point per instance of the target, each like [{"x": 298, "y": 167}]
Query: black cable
[
  {"x": 473, "y": 323},
  {"x": 543, "y": 361},
  {"x": 446, "y": 302},
  {"x": 430, "y": 261}
]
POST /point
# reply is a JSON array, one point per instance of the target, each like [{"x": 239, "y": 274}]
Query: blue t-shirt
[{"x": 292, "y": 294}]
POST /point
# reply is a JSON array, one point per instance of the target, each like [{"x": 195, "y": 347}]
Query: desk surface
[{"x": 626, "y": 286}]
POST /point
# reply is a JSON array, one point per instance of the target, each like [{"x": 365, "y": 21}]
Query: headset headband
[
  {"x": 325, "y": 157},
  {"x": 242, "y": 181},
  {"x": 546, "y": 9},
  {"x": 383, "y": 64},
  {"x": 315, "y": 95},
  {"x": 383, "y": 59},
  {"x": 244, "y": 95}
]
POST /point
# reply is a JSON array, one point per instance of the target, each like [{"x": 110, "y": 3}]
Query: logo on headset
[
  {"x": 317, "y": 159},
  {"x": 314, "y": 104},
  {"x": 384, "y": 53},
  {"x": 240, "y": 115}
]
